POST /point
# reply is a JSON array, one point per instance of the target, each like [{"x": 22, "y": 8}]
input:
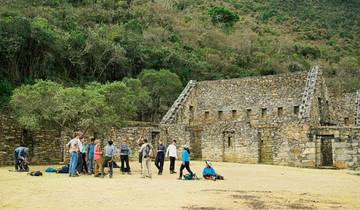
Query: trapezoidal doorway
[
  {"x": 326, "y": 156},
  {"x": 265, "y": 146}
]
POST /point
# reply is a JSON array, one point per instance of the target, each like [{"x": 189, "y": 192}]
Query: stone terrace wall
[{"x": 45, "y": 147}]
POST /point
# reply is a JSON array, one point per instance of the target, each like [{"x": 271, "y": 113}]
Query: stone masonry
[{"x": 287, "y": 119}]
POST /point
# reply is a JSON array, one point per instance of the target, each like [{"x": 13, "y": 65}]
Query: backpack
[
  {"x": 188, "y": 150},
  {"x": 35, "y": 173},
  {"x": 51, "y": 170},
  {"x": 64, "y": 169},
  {"x": 189, "y": 177},
  {"x": 146, "y": 151}
]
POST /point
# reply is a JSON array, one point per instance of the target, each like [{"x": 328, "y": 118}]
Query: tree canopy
[
  {"x": 96, "y": 107},
  {"x": 78, "y": 42}
]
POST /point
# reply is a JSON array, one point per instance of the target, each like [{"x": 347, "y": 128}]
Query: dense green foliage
[
  {"x": 75, "y": 42},
  {"x": 96, "y": 107}
]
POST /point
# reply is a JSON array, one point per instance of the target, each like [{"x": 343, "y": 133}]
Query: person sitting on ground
[
  {"x": 209, "y": 172},
  {"x": 20, "y": 153},
  {"x": 109, "y": 157}
]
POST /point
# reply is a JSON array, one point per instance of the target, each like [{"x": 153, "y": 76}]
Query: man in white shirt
[
  {"x": 172, "y": 153},
  {"x": 73, "y": 146}
]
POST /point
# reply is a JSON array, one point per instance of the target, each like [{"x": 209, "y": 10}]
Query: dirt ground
[{"x": 244, "y": 187}]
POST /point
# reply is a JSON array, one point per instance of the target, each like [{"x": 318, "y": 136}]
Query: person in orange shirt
[{"x": 97, "y": 157}]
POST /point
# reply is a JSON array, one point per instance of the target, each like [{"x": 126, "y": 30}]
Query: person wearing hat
[
  {"x": 20, "y": 153},
  {"x": 209, "y": 172},
  {"x": 109, "y": 156},
  {"x": 185, "y": 161}
]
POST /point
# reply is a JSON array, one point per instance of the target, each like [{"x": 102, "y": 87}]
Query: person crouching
[{"x": 209, "y": 172}]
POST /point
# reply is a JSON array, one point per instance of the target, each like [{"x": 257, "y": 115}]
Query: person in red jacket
[{"x": 97, "y": 157}]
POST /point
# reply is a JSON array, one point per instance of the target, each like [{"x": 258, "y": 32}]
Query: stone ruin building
[{"x": 287, "y": 119}]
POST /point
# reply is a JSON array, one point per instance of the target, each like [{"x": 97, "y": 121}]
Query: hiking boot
[
  {"x": 149, "y": 176},
  {"x": 179, "y": 178},
  {"x": 159, "y": 173},
  {"x": 110, "y": 176},
  {"x": 129, "y": 173}
]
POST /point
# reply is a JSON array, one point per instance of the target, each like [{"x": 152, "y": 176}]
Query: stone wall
[
  {"x": 345, "y": 145},
  {"x": 257, "y": 120},
  {"x": 45, "y": 146},
  {"x": 133, "y": 132},
  {"x": 259, "y": 98},
  {"x": 344, "y": 109}
]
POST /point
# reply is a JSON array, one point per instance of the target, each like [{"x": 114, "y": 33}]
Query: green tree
[
  {"x": 163, "y": 87},
  {"x": 96, "y": 108}
]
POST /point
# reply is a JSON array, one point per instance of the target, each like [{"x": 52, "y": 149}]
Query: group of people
[{"x": 93, "y": 159}]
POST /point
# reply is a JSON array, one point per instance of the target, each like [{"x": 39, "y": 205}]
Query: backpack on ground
[
  {"x": 64, "y": 169},
  {"x": 51, "y": 170},
  {"x": 189, "y": 177},
  {"x": 36, "y": 173}
]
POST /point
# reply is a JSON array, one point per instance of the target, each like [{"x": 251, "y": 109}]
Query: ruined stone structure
[
  {"x": 47, "y": 147},
  {"x": 287, "y": 119}
]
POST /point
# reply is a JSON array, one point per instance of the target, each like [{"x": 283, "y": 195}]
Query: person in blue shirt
[
  {"x": 90, "y": 156},
  {"x": 185, "y": 161},
  {"x": 210, "y": 173},
  {"x": 19, "y": 154}
]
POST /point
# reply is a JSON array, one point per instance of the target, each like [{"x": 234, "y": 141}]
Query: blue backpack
[
  {"x": 51, "y": 170},
  {"x": 64, "y": 169}
]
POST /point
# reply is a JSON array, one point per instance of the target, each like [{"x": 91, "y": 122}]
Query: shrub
[{"x": 223, "y": 15}]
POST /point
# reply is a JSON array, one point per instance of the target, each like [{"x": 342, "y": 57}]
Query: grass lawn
[{"x": 244, "y": 187}]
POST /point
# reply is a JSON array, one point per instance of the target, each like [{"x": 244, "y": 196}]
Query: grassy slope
[{"x": 271, "y": 36}]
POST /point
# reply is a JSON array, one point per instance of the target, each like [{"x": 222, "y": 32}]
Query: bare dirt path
[{"x": 245, "y": 187}]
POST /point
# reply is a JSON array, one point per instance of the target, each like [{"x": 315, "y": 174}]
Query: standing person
[
  {"x": 140, "y": 142},
  {"x": 109, "y": 157},
  {"x": 160, "y": 156},
  {"x": 90, "y": 155},
  {"x": 172, "y": 153},
  {"x": 97, "y": 157},
  {"x": 82, "y": 166},
  {"x": 19, "y": 155},
  {"x": 185, "y": 162},
  {"x": 124, "y": 157},
  {"x": 73, "y": 146},
  {"x": 146, "y": 150}
]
